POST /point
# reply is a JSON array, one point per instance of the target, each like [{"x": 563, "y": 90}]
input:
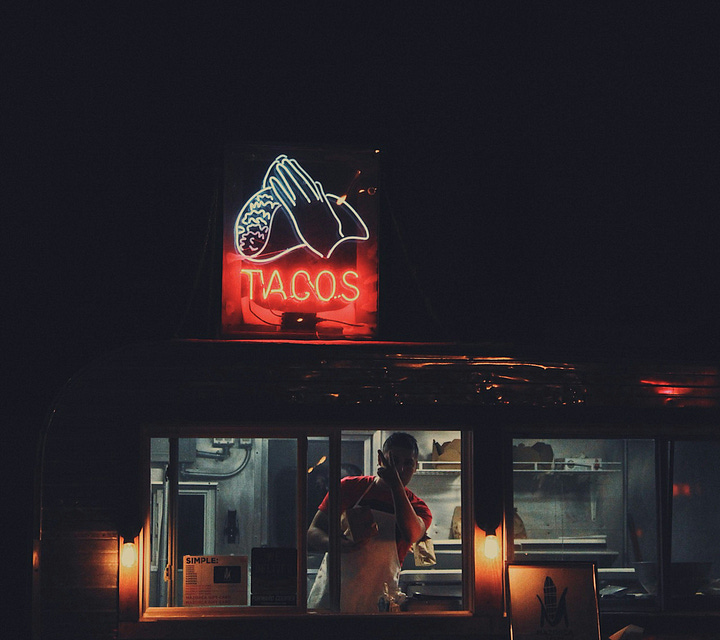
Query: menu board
[{"x": 210, "y": 581}]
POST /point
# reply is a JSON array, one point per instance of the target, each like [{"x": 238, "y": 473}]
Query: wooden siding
[{"x": 79, "y": 584}]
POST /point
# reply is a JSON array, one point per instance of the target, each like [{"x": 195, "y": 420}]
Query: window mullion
[
  {"x": 334, "y": 516},
  {"x": 664, "y": 486},
  {"x": 302, "y": 523},
  {"x": 172, "y": 497}
]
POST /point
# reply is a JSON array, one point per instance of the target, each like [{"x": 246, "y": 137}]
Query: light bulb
[
  {"x": 128, "y": 555},
  {"x": 492, "y": 547}
]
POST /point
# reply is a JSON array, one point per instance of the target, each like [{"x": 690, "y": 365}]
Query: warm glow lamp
[
  {"x": 491, "y": 549},
  {"x": 488, "y": 490},
  {"x": 128, "y": 555}
]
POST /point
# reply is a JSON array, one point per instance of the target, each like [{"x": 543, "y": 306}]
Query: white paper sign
[{"x": 210, "y": 581}]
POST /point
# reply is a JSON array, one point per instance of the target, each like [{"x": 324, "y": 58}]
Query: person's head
[{"x": 404, "y": 450}]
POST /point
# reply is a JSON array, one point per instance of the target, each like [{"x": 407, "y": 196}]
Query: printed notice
[{"x": 210, "y": 581}]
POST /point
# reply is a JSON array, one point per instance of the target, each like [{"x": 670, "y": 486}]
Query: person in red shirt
[{"x": 401, "y": 518}]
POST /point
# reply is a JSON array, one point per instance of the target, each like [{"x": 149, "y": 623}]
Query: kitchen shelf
[
  {"x": 560, "y": 467},
  {"x": 436, "y": 468},
  {"x": 431, "y": 575},
  {"x": 582, "y": 549}
]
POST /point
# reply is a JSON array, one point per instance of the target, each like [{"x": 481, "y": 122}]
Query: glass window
[
  {"x": 422, "y": 579},
  {"x": 225, "y": 527},
  {"x": 438, "y": 481},
  {"x": 589, "y": 500},
  {"x": 695, "y": 557},
  {"x": 220, "y": 508}
]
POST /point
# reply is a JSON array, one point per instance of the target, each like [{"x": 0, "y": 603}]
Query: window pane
[
  {"x": 438, "y": 482},
  {"x": 383, "y": 555},
  {"x": 695, "y": 569},
  {"x": 589, "y": 500},
  {"x": 318, "y": 483},
  {"x": 234, "y": 505},
  {"x": 159, "y": 458}
]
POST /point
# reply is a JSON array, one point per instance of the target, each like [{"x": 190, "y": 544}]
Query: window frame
[
  {"x": 300, "y": 433},
  {"x": 664, "y": 434}
]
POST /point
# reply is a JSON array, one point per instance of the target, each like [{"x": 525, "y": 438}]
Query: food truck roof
[{"x": 192, "y": 373}]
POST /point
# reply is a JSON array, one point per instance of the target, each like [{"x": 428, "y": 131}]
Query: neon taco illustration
[{"x": 292, "y": 211}]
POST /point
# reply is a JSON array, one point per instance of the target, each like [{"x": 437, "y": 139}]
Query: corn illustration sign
[{"x": 556, "y": 601}]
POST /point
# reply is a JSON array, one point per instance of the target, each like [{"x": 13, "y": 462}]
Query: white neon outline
[
  {"x": 308, "y": 180},
  {"x": 319, "y": 192},
  {"x": 280, "y": 188},
  {"x": 284, "y": 194},
  {"x": 252, "y": 258},
  {"x": 356, "y": 215}
]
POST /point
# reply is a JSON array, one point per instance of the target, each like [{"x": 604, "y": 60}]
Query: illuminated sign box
[
  {"x": 553, "y": 600},
  {"x": 300, "y": 243}
]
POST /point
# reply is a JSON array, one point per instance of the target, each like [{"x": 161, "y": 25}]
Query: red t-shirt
[{"x": 379, "y": 498}]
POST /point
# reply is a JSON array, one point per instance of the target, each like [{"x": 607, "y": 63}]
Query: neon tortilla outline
[{"x": 287, "y": 186}]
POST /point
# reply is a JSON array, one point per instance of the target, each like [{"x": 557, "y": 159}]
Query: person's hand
[
  {"x": 320, "y": 220},
  {"x": 387, "y": 470}
]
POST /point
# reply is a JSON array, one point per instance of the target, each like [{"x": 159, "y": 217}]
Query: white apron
[{"x": 363, "y": 572}]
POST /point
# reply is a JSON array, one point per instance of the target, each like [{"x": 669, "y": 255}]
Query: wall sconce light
[
  {"x": 488, "y": 491},
  {"x": 128, "y": 555},
  {"x": 128, "y": 578},
  {"x": 491, "y": 548}
]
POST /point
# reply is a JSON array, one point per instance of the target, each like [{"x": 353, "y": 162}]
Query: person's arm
[
  {"x": 318, "y": 538},
  {"x": 317, "y": 535},
  {"x": 410, "y": 524}
]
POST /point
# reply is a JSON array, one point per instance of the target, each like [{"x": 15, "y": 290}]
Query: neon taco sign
[
  {"x": 302, "y": 286},
  {"x": 320, "y": 221},
  {"x": 294, "y": 248}
]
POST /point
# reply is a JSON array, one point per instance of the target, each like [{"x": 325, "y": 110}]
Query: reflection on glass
[
  {"x": 589, "y": 500},
  {"x": 160, "y": 452},
  {"x": 695, "y": 563},
  {"x": 318, "y": 483},
  {"x": 374, "y": 552},
  {"x": 233, "y": 496}
]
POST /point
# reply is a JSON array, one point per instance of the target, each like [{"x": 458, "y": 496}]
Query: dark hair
[{"x": 401, "y": 440}]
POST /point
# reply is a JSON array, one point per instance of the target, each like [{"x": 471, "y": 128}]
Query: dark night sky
[{"x": 552, "y": 169}]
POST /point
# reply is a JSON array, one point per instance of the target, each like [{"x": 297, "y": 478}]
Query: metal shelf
[
  {"x": 561, "y": 467},
  {"x": 437, "y": 468}
]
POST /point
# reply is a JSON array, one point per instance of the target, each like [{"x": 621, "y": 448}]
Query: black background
[{"x": 549, "y": 177}]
